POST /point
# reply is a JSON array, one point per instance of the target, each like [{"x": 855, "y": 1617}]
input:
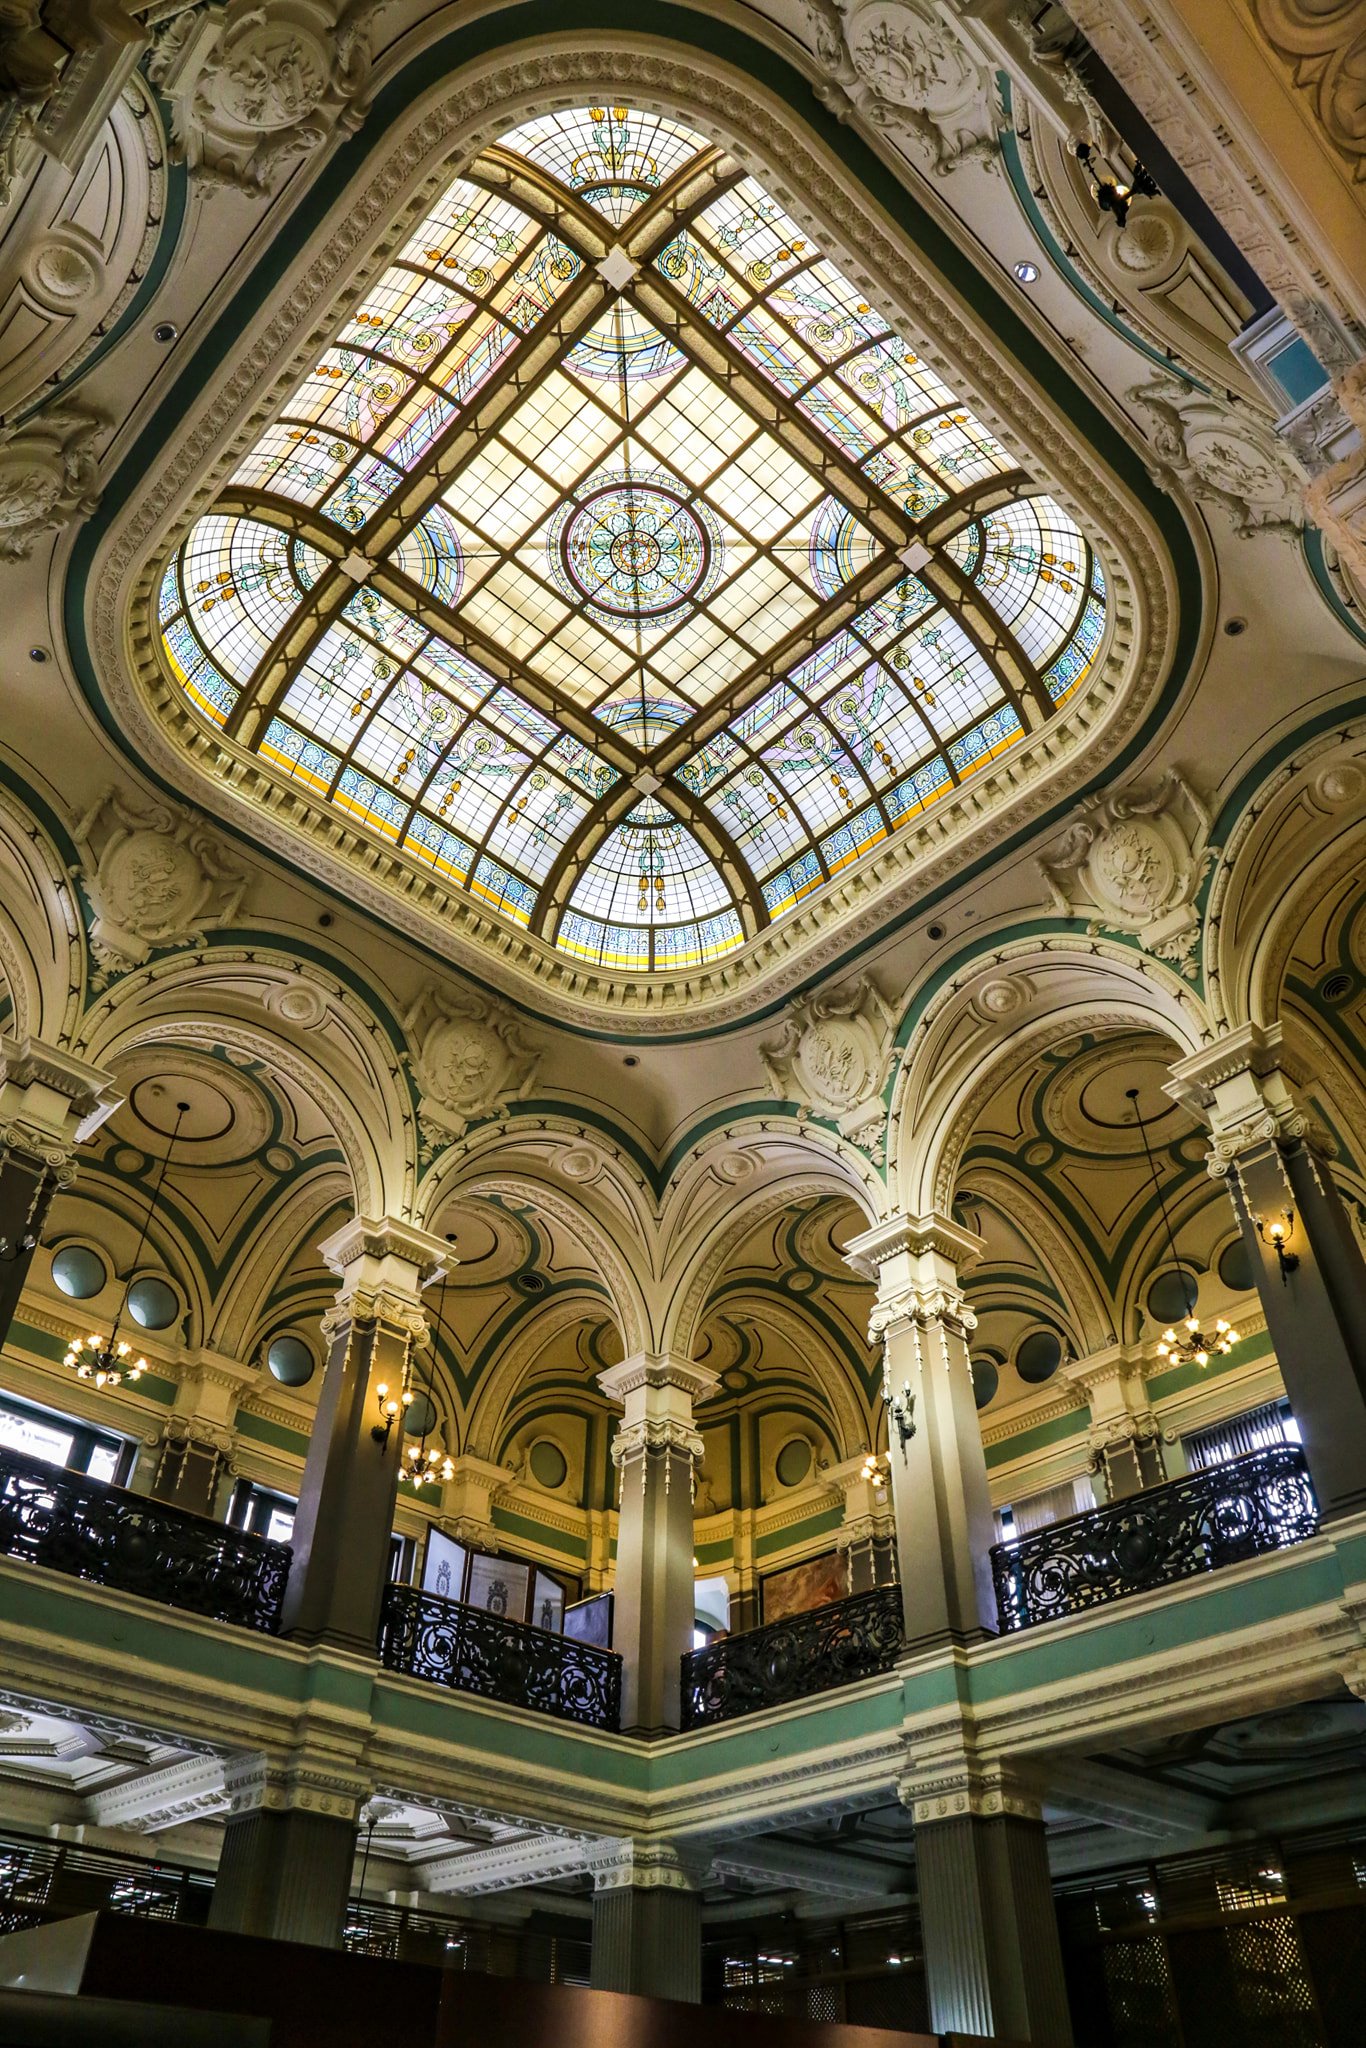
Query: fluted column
[
  {"x": 49, "y": 1102},
  {"x": 350, "y": 1483},
  {"x": 1276, "y": 1162},
  {"x": 289, "y": 1842},
  {"x": 941, "y": 1502},
  {"x": 993, "y": 1964},
  {"x": 647, "y": 1922},
  {"x": 656, "y": 1451}
]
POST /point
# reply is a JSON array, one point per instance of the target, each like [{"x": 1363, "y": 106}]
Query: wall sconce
[
  {"x": 388, "y": 1411},
  {"x": 1277, "y": 1235},
  {"x": 902, "y": 1407}
]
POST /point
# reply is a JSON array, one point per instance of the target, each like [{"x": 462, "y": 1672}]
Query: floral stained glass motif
[{"x": 578, "y": 568}]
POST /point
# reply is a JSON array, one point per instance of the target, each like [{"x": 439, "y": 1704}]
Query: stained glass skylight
[{"x": 617, "y": 562}]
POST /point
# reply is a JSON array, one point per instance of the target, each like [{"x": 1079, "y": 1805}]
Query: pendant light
[
  {"x": 1188, "y": 1345},
  {"x": 422, "y": 1464},
  {"x": 109, "y": 1361}
]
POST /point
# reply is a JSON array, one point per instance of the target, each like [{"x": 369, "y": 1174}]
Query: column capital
[
  {"x": 383, "y": 1265},
  {"x": 966, "y": 1789},
  {"x": 1240, "y": 1088},
  {"x": 644, "y": 1866},
  {"x": 648, "y": 1373},
  {"x": 934, "y": 1239},
  {"x": 50, "y": 1100}
]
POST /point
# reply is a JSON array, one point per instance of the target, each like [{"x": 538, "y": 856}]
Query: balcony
[
  {"x": 470, "y": 1650},
  {"x": 791, "y": 1659},
  {"x": 134, "y": 1545},
  {"x": 1209, "y": 1519}
]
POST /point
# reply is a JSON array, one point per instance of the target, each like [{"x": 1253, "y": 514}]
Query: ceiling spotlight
[
  {"x": 37, "y": 654},
  {"x": 165, "y": 331},
  {"x": 1025, "y": 271}
]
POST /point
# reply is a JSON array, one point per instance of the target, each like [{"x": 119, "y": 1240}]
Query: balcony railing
[
  {"x": 793, "y": 1658},
  {"x": 471, "y": 1650},
  {"x": 1197, "y": 1524},
  {"x": 135, "y": 1545}
]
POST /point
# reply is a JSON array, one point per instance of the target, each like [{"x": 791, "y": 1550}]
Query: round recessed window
[
  {"x": 549, "y": 1466},
  {"x": 1235, "y": 1267},
  {"x": 290, "y": 1361},
  {"x": 1039, "y": 1357},
  {"x": 1171, "y": 1296},
  {"x": 794, "y": 1462},
  {"x": 419, "y": 1417},
  {"x": 153, "y": 1303},
  {"x": 985, "y": 1380},
  {"x": 79, "y": 1272}
]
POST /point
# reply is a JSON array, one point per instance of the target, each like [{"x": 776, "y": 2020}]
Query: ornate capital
[
  {"x": 50, "y": 1101},
  {"x": 649, "y": 1372},
  {"x": 660, "y": 1436},
  {"x": 1239, "y": 1087},
  {"x": 644, "y": 1866},
  {"x": 968, "y": 1790}
]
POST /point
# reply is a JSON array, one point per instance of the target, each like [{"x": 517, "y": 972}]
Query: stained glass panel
[{"x": 571, "y": 564}]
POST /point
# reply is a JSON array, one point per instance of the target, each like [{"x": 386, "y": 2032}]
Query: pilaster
[
  {"x": 195, "y": 1452},
  {"x": 1124, "y": 1434},
  {"x": 1275, "y": 1159},
  {"x": 656, "y": 1451},
  {"x": 288, "y": 1845},
  {"x": 940, "y": 1497}
]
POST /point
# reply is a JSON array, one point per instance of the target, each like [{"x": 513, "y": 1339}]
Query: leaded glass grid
[{"x": 619, "y": 563}]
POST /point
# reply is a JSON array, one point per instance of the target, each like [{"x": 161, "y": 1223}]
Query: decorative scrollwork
[
  {"x": 790, "y": 1659},
  {"x": 449, "y": 1643},
  {"x": 1197, "y": 1524},
  {"x": 135, "y": 1545}
]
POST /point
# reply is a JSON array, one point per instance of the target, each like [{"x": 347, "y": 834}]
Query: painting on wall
[{"x": 804, "y": 1586}]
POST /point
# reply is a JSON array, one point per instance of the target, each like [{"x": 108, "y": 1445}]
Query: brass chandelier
[{"x": 1188, "y": 1344}]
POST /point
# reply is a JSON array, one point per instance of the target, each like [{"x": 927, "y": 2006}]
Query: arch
[
  {"x": 42, "y": 939},
  {"x": 982, "y": 1019}
]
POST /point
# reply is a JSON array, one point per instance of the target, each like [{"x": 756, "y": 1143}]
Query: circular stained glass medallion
[{"x": 637, "y": 551}]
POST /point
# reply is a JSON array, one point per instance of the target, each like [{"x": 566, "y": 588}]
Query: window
[
  {"x": 1261, "y": 1429},
  {"x": 643, "y": 645},
  {"x": 261, "y": 1512},
  {"x": 65, "y": 1441}
]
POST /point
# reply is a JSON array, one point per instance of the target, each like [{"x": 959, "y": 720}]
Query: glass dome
[{"x": 619, "y": 564}]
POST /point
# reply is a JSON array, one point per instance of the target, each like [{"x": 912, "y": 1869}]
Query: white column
[
  {"x": 944, "y": 1527},
  {"x": 1123, "y": 1433},
  {"x": 656, "y": 1451}
]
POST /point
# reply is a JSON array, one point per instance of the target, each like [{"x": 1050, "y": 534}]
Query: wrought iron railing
[
  {"x": 135, "y": 1545},
  {"x": 793, "y": 1658},
  {"x": 1197, "y": 1524},
  {"x": 471, "y": 1650}
]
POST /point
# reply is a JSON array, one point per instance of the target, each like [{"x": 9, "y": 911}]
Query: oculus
[{"x": 618, "y": 563}]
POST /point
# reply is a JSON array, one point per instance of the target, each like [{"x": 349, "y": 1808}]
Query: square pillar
[
  {"x": 1124, "y": 1434},
  {"x": 289, "y": 1844},
  {"x": 350, "y": 1483},
  {"x": 993, "y": 1963},
  {"x": 1276, "y": 1161},
  {"x": 647, "y": 1923},
  {"x": 656, "y": 1451},
  {"x": 940, "y": 1498}
]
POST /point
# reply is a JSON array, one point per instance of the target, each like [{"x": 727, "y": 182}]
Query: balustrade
[
  {"x": 792, "y": 1658},
  {"x": 471, "y": 1650},
  {"x": 1197, "y": 1524},
  {"x": 135, "y": 1545}
]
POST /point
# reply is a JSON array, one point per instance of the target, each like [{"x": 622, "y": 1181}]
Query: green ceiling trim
[
  {"x": 822, "y": 1523},
  {"x": 1312, "y": 542},
  {"x": 534, "y": 21},
  {"x": 715, "y": 1553},
  {"x": 1040, "y": 1437},
  {"x": 44, "y": 1344},
  {"x": 261, "y": 1430},
  {"x": 532, "y": 1531}
]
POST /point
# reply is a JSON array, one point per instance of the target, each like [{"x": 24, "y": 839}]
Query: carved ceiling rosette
[
  {"x": 1134, "y": 862},
  {"x": 154, "y": 877},
  {"x": 833, "y": 1057}
]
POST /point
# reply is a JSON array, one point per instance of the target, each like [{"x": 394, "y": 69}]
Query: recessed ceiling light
[
  {"x": 1026, "y": 271},
  {"x": 165, "y": 331},
  {"x": 37, "y": 654}
]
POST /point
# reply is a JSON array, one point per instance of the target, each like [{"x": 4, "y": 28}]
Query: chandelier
[
  {"x": 1188, "y": 1343},
  {"x": 109, "y": 1361},
  {"x": 424, "y": 1463}
]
